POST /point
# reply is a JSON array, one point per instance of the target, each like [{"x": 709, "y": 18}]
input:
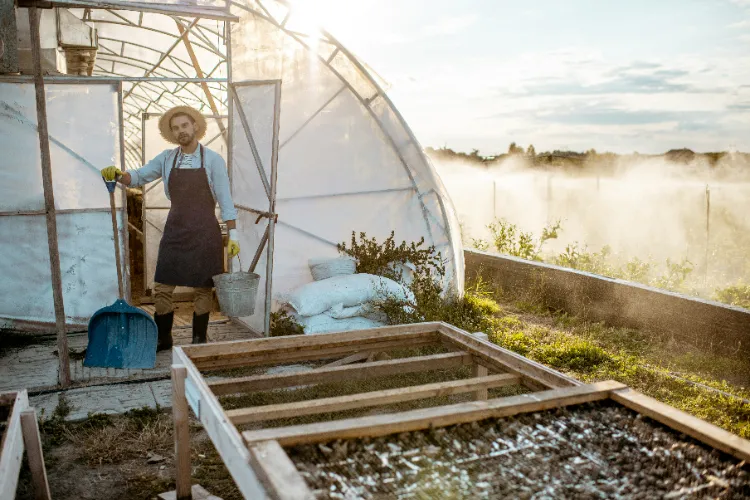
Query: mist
[{"x": 641, "y": 207}]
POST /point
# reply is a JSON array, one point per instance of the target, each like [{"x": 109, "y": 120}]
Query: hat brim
[{"x": 166, "y": 132}]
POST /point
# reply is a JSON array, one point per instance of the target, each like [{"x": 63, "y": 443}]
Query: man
[{"x": 190, "y": 253}]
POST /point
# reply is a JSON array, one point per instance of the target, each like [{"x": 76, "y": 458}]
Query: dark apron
[{"x": 191, "y": 250}]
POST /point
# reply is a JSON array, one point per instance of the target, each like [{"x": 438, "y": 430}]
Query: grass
[{"x": 648, "y": 363}]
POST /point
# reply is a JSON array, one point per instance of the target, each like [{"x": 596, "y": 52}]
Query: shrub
[
  {"x": 283, "y": 324},
  {"x": 738, "y": 295}
]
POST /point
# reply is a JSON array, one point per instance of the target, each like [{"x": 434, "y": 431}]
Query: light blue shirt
[{"x": 216, "y": 171}]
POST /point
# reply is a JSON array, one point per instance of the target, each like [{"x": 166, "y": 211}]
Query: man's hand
[
  {"x": 233, "y": 246},
  {"x": 111, "y": 173}
]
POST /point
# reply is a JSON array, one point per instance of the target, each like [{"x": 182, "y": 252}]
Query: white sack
[
  {"x": 351, "y": 290},
  {"x": 324, "y": 268},
  {"x": 323, "y": 323},
  {"x": 340, "y": 312}
]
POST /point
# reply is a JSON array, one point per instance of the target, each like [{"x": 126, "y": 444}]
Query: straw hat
[{"x": 166, "y": 132}]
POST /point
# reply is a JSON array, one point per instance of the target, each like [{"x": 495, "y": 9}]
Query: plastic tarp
[
  {"x": 256, "y": 103},
  {"x": 347, "y": 161},
  {"x": 84, "y": 137}
]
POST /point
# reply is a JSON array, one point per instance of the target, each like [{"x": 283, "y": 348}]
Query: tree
[
  {"x": 513, "y": 149},
  {"x": 531, "y": 152}
]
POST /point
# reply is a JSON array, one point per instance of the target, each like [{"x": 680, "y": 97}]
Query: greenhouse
[{"x": 314, "y": 148}]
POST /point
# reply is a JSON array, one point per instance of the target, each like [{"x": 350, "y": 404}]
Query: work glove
[
  {"x": 233, "y": 246},
  {"x": 111, "y": 173}
]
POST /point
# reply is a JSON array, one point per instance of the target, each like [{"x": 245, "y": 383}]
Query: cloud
[
  {"x": 740, "y": 24},
  {"x": 741, "y": 3}
]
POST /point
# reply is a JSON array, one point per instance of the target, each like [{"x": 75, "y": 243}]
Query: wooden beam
[
  {"x": 278, "y": 474},
  {"x": 362, "y": 371},
  {"x": 701, "y": 430},
  {"x": 199, "y": 74},
  {"x": 367, "y": 399},
  {"x": 304, "y": 347},
  {"x": 481, "y": 371},
  {"x": 224, "y": 436},
  {"x": 33, "y": 445},
  {"x": 11, "y": 453},
  {"x": 440, "y": 416},
  {"x": 311, "y": 354},
  {"x": 353, "y": 358},
  {"x": 49, "y": 201},
  {"x": 494, "y": 356},
  {"x": 238, "y": 348},
  {"x": 183, "y": 482}
]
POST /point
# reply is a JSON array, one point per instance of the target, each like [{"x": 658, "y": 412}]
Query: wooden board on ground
[
  {"x": 256, "y": 458},
  {"x": 20, "y": 433}
]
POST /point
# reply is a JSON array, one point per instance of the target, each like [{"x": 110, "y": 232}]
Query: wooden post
[
  {"x": 199, "y": 74},
  {"x": 33, "y": 446},
  {"x": 181, "y": 433},
  {"x": 49, "y": 201},
  {"x": 481, "y": 371}
]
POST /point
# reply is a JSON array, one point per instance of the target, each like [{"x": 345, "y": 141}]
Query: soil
[
  {"x": 126, "y": 459},
  {"x": 587, "y": 451},
  {"x": 4, "y": 414}
]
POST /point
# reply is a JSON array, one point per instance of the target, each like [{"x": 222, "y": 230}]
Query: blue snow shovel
[{"x": 120, "y": 336}]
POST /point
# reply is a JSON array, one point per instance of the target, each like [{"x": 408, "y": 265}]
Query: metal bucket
[{"x": 236, "y": 293}]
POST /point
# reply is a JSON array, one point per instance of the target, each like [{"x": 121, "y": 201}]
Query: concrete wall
[{"x": 701, "y": 323}]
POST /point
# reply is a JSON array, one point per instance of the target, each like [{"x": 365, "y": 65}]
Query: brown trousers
[{"x": 202, "y": 304}]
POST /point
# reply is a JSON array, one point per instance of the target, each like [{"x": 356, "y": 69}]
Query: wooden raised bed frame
[
  {"x": 21, "y": 432},
  {"x": 260, "y": 466}
]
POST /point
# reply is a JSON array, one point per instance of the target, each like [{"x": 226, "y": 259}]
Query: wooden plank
[
  {"x": 12, "y": 450},
  {"x": 357, "y": 356},
  {"x": 199, "y": 74},
  {"x": 317, "y": 353},
  {"x": 670, "y": 416},
  {"x": 49, "y": 201},
  {"x": 223, "y": 434},
  {"x": 239, "y": 348},
  {"x": 481, "y": 371},
  {"x": 277, "y": 472},
  {"x": 496, "y": 357},
  {"x": 183, "y": 482},
  {"x": 367, "y": 399},
  {"x": 33, "y": 444},
  {"x": 341, "y": 373},
  {"x": 439, "y": 416}
]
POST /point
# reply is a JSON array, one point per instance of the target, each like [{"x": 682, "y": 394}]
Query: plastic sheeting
[
  {"x": 347, "y": 161},
  {"x": 256, "y": 104},
  {"x": 84, "y": 137}
]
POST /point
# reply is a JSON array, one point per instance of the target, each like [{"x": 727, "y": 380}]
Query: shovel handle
[{"x": 117, "y": 237}]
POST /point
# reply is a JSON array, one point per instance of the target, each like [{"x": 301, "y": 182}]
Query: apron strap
[{"x": 176, "y": 155}]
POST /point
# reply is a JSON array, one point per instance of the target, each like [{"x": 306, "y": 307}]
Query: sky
[{"x": 641, "y": 75}]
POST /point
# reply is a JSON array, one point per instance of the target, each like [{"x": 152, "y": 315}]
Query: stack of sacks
[{"x": 341, "y": 300}]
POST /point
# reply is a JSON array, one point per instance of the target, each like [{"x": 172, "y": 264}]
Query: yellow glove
[
  {"x": 111, "y": 173},
  {"x": 233, "y": 246}
]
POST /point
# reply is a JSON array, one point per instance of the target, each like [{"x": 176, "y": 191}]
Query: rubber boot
[
  {"x": 200, "y": 327},
  {"x": 164, "y": 325}
]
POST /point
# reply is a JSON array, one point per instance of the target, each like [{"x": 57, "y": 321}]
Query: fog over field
[{"x": 644, "y": 207}]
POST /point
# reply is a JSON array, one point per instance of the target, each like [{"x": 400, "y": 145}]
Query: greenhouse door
[{"x": 253, "y": 156}]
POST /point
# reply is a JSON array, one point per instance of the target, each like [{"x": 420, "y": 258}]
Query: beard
[{"x": 185, "y": 139}]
